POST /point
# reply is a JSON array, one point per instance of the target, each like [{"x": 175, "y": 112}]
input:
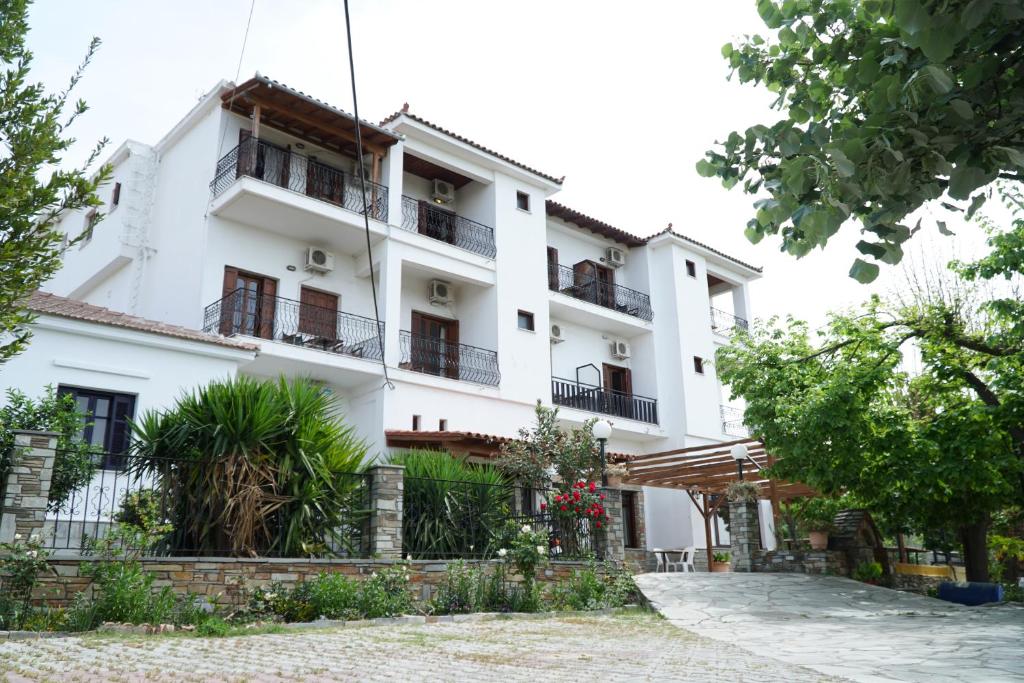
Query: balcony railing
[
  {"x": 293, "y": 171},
  {"x": 445, "y": 226},
  {"x": 594, "y": 399},
  {"x": 243, "y": 312},
  {"x": 589, "y": 288},
  {"x": 732, "y": 421},
  {"x": 724, "y": 323},
  {"x": 434, "y": 356}
]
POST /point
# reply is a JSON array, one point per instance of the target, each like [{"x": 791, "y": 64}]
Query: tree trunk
[{"x": 975, "y": 542}]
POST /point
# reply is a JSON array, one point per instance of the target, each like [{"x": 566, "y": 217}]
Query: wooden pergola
[{"x": 707, "y": 471}]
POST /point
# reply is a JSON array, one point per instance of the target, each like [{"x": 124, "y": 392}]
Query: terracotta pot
[
  {"x": 721, "y": 566},
  {"x": 819, "y": 540}
]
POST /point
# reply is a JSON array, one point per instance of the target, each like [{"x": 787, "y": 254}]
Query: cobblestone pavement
[
  {"x": 846, "y": 628},
  {"x": 634, "y": 647}
]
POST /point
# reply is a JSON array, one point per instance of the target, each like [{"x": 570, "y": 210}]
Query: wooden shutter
[
  {"x": 451, "y": 348},
  {"x": 228, "y": 302},
  {"x": 553, "y": 269},
  {"x": 318, "y": 313},
  {"x": 244, "y": 165},
  {"x": 267, "y": 307}
]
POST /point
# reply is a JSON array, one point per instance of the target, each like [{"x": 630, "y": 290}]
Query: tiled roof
[
  {"x": 51, "y": 304},
  {"x": 405, "y": 112},
  {"x": 414, "y": 435},
  {"x": 670, "y": 231}
]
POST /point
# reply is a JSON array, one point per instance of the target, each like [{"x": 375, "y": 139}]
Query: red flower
[
  {"x": 543, "y": 506},
  {"x": 593, "y": 487},
  {"x": 602, "y": 496},
  {"x": 599, "y": 525},
  {"x": 576, "y": 495},
  {"x": 564, "y": 508}
]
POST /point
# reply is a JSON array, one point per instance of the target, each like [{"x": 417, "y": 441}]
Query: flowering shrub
[
  {"x": 462, "y": 590},
  {"x": 20, "y": 568},
  {"x": 591, "y": 588},
  {"x": 582, "y": 500}
]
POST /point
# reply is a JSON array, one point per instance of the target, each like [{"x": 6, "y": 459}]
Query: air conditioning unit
[
  {"x": 367, "y": 168},
  {"x": 444, "y": 192},
  {"x": 614, "y": 257},
  {"x": 318, "y": 260},
  {"x": 441, "y": 292},
  {"x": 620, "y": 349},
  {"x": 556, "y": 334}
]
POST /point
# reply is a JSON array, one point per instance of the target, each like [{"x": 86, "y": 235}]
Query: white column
[
  {"x": 391, "y": 176},
  {"x": 741, "y": 301}
]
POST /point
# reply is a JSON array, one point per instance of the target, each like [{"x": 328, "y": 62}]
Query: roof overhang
[
  {"x": 710, "y": 254},
  {"x": 295, "y": 112},
  {"x": 592, "y": 224}
]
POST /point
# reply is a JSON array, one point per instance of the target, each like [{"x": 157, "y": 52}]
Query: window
[
  {"x": 526, "y": 321},
  {"x": 106, "y": 425},
  {"x": 415, "y": 423},
  {"x": 522, "y": 201},
  {"x": 698, "y": 365},
  {"x": 629, "y": 526},
  {"x": 442, "y": 425},
  {"x": 115, "y": 198},
  {"x": 691, "y": 269},
  {"x": 90, "y": 223}
]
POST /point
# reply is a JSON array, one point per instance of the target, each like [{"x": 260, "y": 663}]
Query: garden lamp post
[
  {"x": 739, "y": 454},
  {"x": 601, "y": 431}
]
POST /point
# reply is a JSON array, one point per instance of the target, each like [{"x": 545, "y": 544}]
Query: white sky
[{"x": 621, "y": 99}]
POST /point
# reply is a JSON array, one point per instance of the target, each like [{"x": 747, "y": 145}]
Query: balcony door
[
  {"x": 318, "y": 314},
  {"x": 248, "y": 304},
  {"x": 594, "y": 283},
  {"x": 435, "y": 345},
  {"x": 436, "y": 222},
  {"x": 618, "y": 390}
]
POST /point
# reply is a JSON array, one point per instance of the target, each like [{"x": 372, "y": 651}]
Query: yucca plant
[
  {"x": 451, "y": 508},
  {"x": 255, "y": 467}
]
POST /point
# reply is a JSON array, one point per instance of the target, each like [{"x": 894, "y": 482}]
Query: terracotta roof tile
[
  {"x": 51, "y": 304},
  {"x": 477, "y": 145}
]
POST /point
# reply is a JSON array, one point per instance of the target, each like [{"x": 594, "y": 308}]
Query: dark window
[
  {"x": 442, "y": 425},
  {"x": 90, "y": 223},
  {"x": 629, "y": 525},
  {"x": 527, "y": 500},
  {"x": 698, "y": 365},
  {"x": 115, "y": 198},
  {"x": 691, "y": 269},
  {"x": 415, "y": 423},
  {"x": 106, "y": 424},
  {"x": 522, "y": 201},
  {"x": 526, "y": 320}
]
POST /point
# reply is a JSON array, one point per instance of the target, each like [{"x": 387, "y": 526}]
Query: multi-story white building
[{"x": 246, "y": 221}]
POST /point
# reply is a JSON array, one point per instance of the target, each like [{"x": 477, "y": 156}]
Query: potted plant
[
  {"x": 816, "y": 515},
  {"x": 720, "y": 562},
  {"x": 742, "y": 492},
  {"x": 616, "y": 471}
]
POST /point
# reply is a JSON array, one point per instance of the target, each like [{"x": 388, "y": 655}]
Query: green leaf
[
  {"x": 863, "y": 272},
  {"x": 937, "y": 44},
  {"x": 966, "y": 179},
  {"x": 1013, "y": 155},
  {"x": 939, "y": 79},
  {"x": 706, "y": 169},
  {"x": 963, "y": 109},
  {"x": 975, "y": 13},
  {"x": 976, "y": 203},
  {"x": 871, "y": 249},
  {"x": 727, "y": 50},
  {"x": 943, "y": 229},
  {"x": 910, "y": 16},
  {"x": 844, "y": 167}
]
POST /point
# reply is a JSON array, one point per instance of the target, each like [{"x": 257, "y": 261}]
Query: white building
[{"x": 245, "y": 221}]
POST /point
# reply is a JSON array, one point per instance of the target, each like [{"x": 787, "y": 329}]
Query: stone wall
[
  {"x": 27, "y": 489},
  {"x": 219, "y": 579},
  {"x": 829, "y": 562},
  {"x": 744, "y": 534}
]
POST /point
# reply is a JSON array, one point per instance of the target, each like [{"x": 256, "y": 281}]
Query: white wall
[{"x": 575, "y": 244}]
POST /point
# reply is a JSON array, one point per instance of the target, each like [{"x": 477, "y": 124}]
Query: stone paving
[
  {"x": 845, "y": 628},
  {"x": 629, "y": 647}
]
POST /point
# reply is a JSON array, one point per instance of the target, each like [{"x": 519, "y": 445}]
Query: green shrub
[
  {"x": 868, "y": 572},
  {"x": 816, "y": 514},
  {"x": 214, "y": 627},
  {"x": 387, "y": 593},
  {"x": 591, "y": 588},
  {"x": 461, "y": 592}
]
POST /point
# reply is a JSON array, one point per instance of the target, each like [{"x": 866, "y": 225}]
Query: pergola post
[{"x": 256, "y": 121}]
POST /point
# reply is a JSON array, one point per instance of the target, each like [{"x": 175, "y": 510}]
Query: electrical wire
[{"x": 362, "y": 187}]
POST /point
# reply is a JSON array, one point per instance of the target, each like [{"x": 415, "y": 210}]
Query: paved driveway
[
  {"x": 634, "y": 647},
  {"x": 845, "y": 628}
]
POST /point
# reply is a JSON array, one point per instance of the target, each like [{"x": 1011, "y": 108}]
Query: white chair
[
  {"x": 683, "y": 564},
  {"x": 686, "y": 559}
]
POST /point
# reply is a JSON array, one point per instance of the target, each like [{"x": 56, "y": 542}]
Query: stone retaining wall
[
  {"x": 830, "y": 562},
  {"x": 220, "y": 578}
]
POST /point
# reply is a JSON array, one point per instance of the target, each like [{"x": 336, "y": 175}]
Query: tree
[
  {"x": 938, "y": 450},
  {"x": 890, "y": 105},
  {"x": 33, "y": 137},
  {"x": 545, "y": 450}
]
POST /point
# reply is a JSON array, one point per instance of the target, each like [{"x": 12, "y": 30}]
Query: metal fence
[
  {"x": 286, "y": 168},
  {"x": 723, "y": 322},
  {"x": 585, "y": 287},
  {"x": 163, "y": 492},
  {"x": 732, "y": 421},
  {"x": 294, "y": 322},
  {"x": 434, "y": 356},
  {"x": 595, "y": 399},
  {"x": 445, "y": 519},
  {"x": 446, "y": 226}
]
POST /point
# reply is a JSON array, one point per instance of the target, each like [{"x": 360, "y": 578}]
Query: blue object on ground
[{"x": 971, "y": 593}]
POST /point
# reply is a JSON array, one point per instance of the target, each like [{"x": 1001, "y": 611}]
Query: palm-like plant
[{"x": 255, "y": 468}]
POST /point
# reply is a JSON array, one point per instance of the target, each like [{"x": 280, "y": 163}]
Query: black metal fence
[
  {"x": 724, "y": 322},
  {"x": 426, "y": 219},
  {"x": 589, "y": 288},
  {"x": 732, "y": 421},
  {"x": 162, "y": 496},
  {"x": 595, "y": 399},
  {"x": 445, "y": 519},
  {"x": 294, "y": 322},
  {"x": 434, "y": 356},
  {"x": 286, "y": 168}
]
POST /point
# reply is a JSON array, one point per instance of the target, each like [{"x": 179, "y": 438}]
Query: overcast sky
[{"x": 622, "y": 99}]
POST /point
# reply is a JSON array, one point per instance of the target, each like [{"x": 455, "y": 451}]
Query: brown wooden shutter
[
  {"x": 553, "y": 269},
  {"x": 228, "y": 302},
  {"x": 318, "y": 313},
  {"x": 267, "y": 307},
  {"x": 452, "y": 348},
  {"x": 244, "y": 165}
]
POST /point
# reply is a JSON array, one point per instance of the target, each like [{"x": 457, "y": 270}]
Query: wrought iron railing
[
  {"x": 272, "y": 317},
  {"x": 723, "y": 322},
  {"x": 732, "y": 421},
  {"x": 595, "y": 399},
  {"x": 589, "y": 288},
  {"x": 163, "y": 489},
  {"x": 446, "y": 359},
  {"x": 568, "y": 538},
  {"x": 297, "y": 172},
  {"x": 445, "y": 226}
]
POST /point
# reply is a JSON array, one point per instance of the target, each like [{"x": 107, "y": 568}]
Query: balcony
[
  {"x": 304, "y": 325},
  {"x": 732, "y": 421},
  {"x": 565, "y": 280},
  {"x": 426, "y": 219},
  {"x": 595, "y": 399},
  {"x": 433, "y": 356},
  {"x": 724, "y": 323}
]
